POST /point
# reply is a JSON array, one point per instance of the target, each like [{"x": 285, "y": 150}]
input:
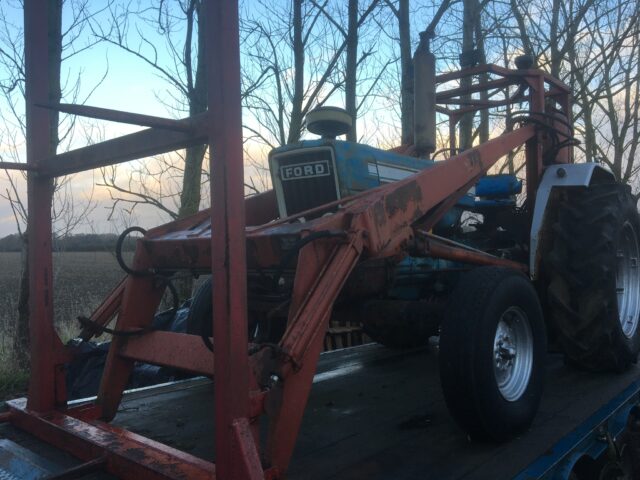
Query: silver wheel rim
[
  {"x": 628, "y": 280},
  {"x": 513, "y": 354}
]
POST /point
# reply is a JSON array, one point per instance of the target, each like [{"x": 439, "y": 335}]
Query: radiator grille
[{"x": 306, "y": 178}]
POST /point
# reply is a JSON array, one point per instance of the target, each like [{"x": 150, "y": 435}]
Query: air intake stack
[{"x": 424, "y": 81}]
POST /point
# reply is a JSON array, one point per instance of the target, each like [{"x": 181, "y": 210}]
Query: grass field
[{"x": 81, "y": 282}]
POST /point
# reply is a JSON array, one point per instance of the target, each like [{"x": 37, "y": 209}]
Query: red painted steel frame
[
  {"x": 273, "y": 379},
  {"x": 236, "y": 453},
  {"x": 126, "y": 454},
  {"x": 46, "y": 386}
]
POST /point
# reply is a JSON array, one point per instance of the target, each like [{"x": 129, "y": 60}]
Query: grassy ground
[{"x": 81, "y": 281}]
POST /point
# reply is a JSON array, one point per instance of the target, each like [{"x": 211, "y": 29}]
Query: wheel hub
[
  {"x": 513, "y": 353},
  {"x": 504, "y": 350},
  {"x": 628, "y": 280}
]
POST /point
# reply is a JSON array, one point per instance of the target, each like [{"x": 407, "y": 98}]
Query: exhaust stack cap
[
  {"x": 329, "y": 122},
  {"x": 524, "y": 62}
]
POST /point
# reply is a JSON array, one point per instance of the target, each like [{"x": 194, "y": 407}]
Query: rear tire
[
  {"x": 492, "y": 352},
  {"x": 594, "y": 277}
]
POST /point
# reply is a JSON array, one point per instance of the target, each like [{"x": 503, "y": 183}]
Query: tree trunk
[
  {"x": 295, "y": 125},
  {"x": 556, "y": 58},
  {"x": 191, "y": 195},
  {"x": 483, "y": 128},
  {"x": 350, "y": 79},
  {"x": 21, "y": 332},
  {"x": 197, "y": 98},
  {"x": 468, "y": 34},
  {"x": 406, "y": 67}
]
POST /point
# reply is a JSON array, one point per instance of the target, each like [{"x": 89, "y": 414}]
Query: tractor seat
[{"x": 492, "y": 191}]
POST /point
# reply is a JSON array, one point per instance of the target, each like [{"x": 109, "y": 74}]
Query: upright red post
[
  {"x": 42, "y": 394},
  {"x": 534, "y": 145},
  {"x": 236, "y": 455}
]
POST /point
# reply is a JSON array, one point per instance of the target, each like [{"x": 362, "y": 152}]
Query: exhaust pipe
[{"x": 424, "y": 85}]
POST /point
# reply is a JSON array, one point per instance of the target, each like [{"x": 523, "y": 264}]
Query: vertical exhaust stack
[{"x": 424, "y": 84}]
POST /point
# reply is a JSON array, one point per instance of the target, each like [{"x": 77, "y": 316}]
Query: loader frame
[{"x": 250, "y": 381}]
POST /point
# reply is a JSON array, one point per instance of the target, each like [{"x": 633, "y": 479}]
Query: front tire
[
  {"x": 492, "y": 352},
  {"x": 200, "y": 319},
  {"x": 594, "y": 277}
]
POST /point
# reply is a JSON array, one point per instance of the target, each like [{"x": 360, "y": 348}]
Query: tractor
[
  {"x": 412, "y": 245},
  {"x": 559, "y": 266}
]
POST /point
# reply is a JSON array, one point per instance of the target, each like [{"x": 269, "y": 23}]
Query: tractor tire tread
[{"x": 581, "y": 269}]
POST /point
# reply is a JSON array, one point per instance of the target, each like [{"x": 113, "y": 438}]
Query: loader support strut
[{"x": 324, "y": 268}]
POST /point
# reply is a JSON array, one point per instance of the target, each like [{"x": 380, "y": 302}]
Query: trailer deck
[{"x": 373, "y": 413}]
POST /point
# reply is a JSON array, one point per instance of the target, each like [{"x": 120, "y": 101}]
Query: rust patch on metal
[
  {"x": 379, "y": 215},
  {"x": 403, "y": 197}
]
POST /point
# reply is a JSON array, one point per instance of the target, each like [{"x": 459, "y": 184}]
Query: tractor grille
[{"x": 306, "y": 179}]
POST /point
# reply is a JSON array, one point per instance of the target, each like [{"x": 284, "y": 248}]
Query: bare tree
[
  {"x": 138, "y": 32},
  {"x": 289, "y": 74},
  {"x": 351, "y": 71},
  {"x": 592, "y": 45},
  {"x": 401, "y": 12},
  {"x": 67, "y": 212},
  {"x": 608, "y": 83}
]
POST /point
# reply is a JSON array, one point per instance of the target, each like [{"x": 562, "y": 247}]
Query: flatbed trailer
[{"x": 378, "y": 413}]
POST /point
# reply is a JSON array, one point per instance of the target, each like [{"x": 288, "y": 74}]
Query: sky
[
  {"x": 112, "y": 78},
  {"x": 124, "y": 82},
  {"x": 117, "y": 80}
]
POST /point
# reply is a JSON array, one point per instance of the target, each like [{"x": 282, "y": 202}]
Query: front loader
[{"x": 412, "y": 245}]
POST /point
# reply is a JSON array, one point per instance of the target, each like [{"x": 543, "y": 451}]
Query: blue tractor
[
  {"x": 574, "y": 234},
  {"x": 400, "y": 303},
  {"x": 495, "y": 269}
]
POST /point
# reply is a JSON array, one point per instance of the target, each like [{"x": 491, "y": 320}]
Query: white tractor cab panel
[{"x": 565, "y": 175}]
